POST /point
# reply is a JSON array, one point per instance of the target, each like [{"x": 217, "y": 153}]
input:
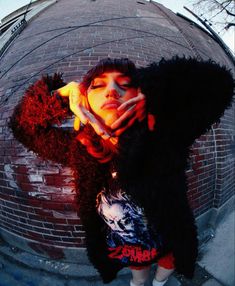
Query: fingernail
[{"x": 105, "y": 136}]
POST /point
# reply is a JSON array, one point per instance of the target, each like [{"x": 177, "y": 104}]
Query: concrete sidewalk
[
  {"x": 214, "y": 268},
  {"x": 219, "y": 253},
  {"x": 216, "y": 265}
]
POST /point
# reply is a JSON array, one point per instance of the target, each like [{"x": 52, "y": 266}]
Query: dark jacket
[{"x": 187, "y": 97}]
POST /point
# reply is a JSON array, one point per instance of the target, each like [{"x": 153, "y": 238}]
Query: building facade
[{"x": 38, "y": 202}]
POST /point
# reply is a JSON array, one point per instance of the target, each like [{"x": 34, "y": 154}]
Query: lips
[{"x": 111, "y": 104}]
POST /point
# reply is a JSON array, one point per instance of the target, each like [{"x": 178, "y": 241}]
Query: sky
[
  {"x": 178, "y": 6},
  {"x": 8, "y": 6}
]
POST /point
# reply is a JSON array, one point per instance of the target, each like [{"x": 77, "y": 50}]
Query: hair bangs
[{"x": 123, "y": 65}]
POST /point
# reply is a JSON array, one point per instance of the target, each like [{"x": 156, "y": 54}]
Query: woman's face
[{"x": 107, "y": 92}]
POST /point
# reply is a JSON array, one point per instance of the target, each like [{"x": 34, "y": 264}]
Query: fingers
[
  {"x": 121, "y": 130},
  {"x": 68, "y": 88},
  {"x": 80, "y": 107},
  {"x": 100, "y": 130},
  {"x": 133, "y": 107},
  {"x": 76, "y": 124},
  {"x": 131, "y": 110},
  {"x": 151, "y": 121},
  {"x": 113, "y": 140},
  {"x": 136, "y": 109},
  {"x": 63, "y": 91},
  {"x": 132, "y": 101},
  {"x": 96, "y": 125},
  {"x": 140, "y": 110},
  {"x": 77, "y": 102},
  {"x": 78, "y": 110},
  {"x": 86, "y": 117},
  {"x": 128, "y": 114}
]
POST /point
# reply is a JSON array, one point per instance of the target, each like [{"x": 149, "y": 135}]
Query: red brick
[
  {"x": 26, "y": 208},
  {"x": 142, "y": 51},
  {"x": 65, "y": 199},
  {"x": 78, "y": 234},
  {"x": 52, "y": 238},
  {"x": 73, "y": 221},
  {"x": 55, "y": 220},
  {"x": 35, "y": 235},
  {"x": 43, "y": 212},
  {"x": 52, "y": 206},
  {"x": 3, "y": 183},
  {"x": 37, "y": 218},
  {"x": 48, "y": 225},
  {"x": 61, "y": 233},
  {"x": 11, "y": 205},
  {"x": 22, "y": 178},
  {"x": 67, "y": 239}
]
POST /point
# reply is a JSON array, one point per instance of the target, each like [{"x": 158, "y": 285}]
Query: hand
[
  {"x": 79, "y": 106},
  {"x": 131, "y": 110}
]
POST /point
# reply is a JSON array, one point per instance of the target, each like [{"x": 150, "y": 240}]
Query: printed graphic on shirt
[
  {"x": 128, "y": 236},
  {"x": 131, "y": 253}
]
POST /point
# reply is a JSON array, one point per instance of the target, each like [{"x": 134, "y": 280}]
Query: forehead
[
  {"x": 115, "y": 209},
  {"x": 112, "y": 75}
]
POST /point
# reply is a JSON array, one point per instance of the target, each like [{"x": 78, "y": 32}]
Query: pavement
[
  {"x": 219, "y": 253},
  {"x": 215, "y": 266}
]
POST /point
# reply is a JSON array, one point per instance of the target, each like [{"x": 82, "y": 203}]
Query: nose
[{"x": 113, "y": 91}]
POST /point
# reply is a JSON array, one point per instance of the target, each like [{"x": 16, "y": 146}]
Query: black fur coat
[{"x": 186, "y": 96}]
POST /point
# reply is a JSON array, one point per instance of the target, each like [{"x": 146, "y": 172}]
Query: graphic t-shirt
[{"x": 129, "y": 238}]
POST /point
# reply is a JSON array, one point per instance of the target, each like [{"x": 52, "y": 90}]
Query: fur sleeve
[
  {"x": 33, "y": 118},
  {"x": 186, "y": 95}
]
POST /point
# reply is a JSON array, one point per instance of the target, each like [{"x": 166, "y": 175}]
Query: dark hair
[{"x": 123, "y": 65}]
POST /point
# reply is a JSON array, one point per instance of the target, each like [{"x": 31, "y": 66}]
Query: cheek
[
  {"x": 130, "y": 94},
  {"x": 95, "y": 101}
]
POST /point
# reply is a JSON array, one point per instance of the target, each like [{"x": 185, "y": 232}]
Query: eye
[
  {"x": 124, "y": 83},
  {"x": 124, "y": 86},
  {"x": 127, "y": 220},
  {"x": 95, "y": 86},
  {"x": 97, "y": 83}
]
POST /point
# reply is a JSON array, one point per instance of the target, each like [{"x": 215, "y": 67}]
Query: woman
[{"x": 129, "y": 156}]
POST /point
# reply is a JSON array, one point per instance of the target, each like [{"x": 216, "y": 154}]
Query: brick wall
[{"x": 38, "y": 199}]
